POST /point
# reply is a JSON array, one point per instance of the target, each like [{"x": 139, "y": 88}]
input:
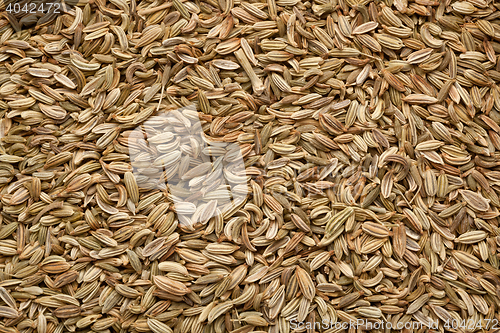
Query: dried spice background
[{"x": 369, "y": 135}]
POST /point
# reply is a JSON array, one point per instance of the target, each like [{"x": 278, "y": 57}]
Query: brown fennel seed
[{"x": 225, "y": 166}]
